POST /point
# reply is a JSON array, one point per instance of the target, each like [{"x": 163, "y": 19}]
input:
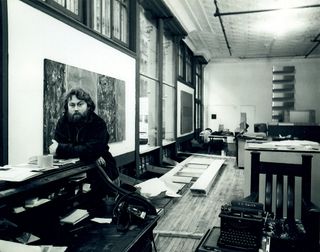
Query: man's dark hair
[{"x": 81, "y": 95}]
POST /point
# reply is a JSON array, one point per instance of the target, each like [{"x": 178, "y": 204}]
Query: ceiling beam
[
  {"x": 316, "y": 39},
  {"x": 222, "y": 27},
  {"x": 218, "y": 14}
]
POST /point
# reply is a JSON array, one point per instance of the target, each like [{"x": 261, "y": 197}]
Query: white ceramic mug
[{"x": 45, "y": 161}]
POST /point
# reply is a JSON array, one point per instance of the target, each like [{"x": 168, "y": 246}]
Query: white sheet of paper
[
  {"x": 8, "y": 246},
  {"x": 154, "y": 187},
  {"x": 17, "y": 174},
  {"x": 102, "y": 220}
]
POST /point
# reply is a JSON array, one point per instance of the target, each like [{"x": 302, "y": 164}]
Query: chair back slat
[
  {"x": 268, "y": 193},
  {"x": 254, "y": 182},
  {"x": 306, "y": 182},
  {"x": 279, "y": 196},
  {"x": 290, "y": 197}
]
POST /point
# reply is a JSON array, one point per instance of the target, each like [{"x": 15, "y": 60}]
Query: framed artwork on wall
[
  {"x": 186, "y": 112},
  {"x": 185, "y": 101}
]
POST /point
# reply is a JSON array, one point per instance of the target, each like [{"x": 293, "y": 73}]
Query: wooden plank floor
[{"x": 183, "y": 225}]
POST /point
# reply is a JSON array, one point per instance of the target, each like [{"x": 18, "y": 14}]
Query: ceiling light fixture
[{"x": 281, "y": 22}]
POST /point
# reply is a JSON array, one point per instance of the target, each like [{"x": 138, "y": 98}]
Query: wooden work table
[{"x": 187, "y": 219}]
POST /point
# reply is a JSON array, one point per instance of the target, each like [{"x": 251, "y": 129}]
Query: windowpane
[
  {"x": 198, "y": 90},
  {"x": 97, "y": 15},
  {"x": 116, "y": 19},
  {"x": 198, "y": 81},
  {"x": 124, "y": 24},
  {"x": 197, "y": 87},
  {"x": 188, "y": 67},
  {"x": 120, "y": 20},
  {"x": 101, "y": 17},
  {"x": 106, "y": 19},
  {"x": 168, "y": 92},
  {"x": 71, "y": 5},
  {"x": 148, "y": 46},
  {"x": 168, "y": 60},
  {"x": 148, "y": 111},
  {"x": 168, "y": 114},
  {"x": 61, "y": 2},
  {"x": 197, "y": 115},
  {"x": 198, "y": 69},
  {"x": 181, "y": 61}
]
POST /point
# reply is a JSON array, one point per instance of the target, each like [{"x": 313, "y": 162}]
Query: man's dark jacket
[{"x": 86, "y": 140}]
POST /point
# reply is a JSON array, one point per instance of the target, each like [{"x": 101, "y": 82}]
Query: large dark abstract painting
[
  {"x": 186, "y": 112},
  {"x": 108, "y": 94}
]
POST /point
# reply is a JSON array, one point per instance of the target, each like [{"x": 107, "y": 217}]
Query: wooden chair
[{"x": 285, "y": 174}]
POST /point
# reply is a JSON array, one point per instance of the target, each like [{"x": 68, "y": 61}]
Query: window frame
[
  {"x": 64, "y": 10},
  {"x": 86, "y": 18},
  {"x": 127, "y": 10},
  {"x": 186, "y": 64},
  {"x": 181, "y": 61},
  {"x": 198, "y": 73}
]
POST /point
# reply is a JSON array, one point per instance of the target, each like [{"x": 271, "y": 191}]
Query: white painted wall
[
  {"x": 34, "y": 36},
  {"x": 238, "y": 86}
]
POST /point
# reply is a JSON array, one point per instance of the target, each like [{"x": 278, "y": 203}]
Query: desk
[
  {"x": 63, "y": 188},
  {"x": 240, "y": 145},
  {"x": 98, "y": 237},
  {"x": 217, "y": 144},
  {"x": 283, "y": 154}
]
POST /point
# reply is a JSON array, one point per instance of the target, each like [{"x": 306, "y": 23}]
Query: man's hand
[
  {"x": 101, "y": 162},
  {"x": 53, "y": 147}
]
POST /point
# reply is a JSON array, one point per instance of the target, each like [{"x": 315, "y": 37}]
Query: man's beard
[{"x": 77, "y": 117}]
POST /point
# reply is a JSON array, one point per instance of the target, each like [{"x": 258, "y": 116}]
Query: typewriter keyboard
[{"x": 239, "y": 239}]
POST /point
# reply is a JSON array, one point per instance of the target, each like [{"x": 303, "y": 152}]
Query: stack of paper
[
  {"x": 17, "y": 173},
  {"x": 9, "y": 246},
  {"x": 155, "y": 187},
  {"x": 60, "y": 162},
  {"x": 76, "y": 216}
]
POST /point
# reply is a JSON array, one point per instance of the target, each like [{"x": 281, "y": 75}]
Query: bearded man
[{"x": 81, "y": 133}]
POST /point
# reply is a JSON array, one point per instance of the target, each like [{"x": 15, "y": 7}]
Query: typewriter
[{"x": 241, "y": 225}]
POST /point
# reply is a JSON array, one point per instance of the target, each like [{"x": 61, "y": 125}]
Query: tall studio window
[
  {"x": 185, "y": 63},
  {"x": 149, "y": 80},
  {"x": 107, "y": 17},
  {"x": 188, "y": 67},
  {"x": 168, "y": 129},
  {"x": 169, "y": 89},
  {"x": 181, "y": 61},
  {"x": 198, "y": 95}
]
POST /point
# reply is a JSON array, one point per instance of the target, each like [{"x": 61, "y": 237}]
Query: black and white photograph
[{"x": 159, "y": 125}]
